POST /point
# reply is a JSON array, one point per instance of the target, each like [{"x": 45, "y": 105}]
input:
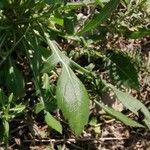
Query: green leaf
[
  {"x": 118, "y": 115},
  {"x": 3, "y": 99},
  {"x": 100, "y": 17},
  {"x": 50, "y": 63},
  {"x": 122, "y": 70},
  {"x": 46, "y": 82},
  {"x": 71, "y": 95},
  {"x": 57, "y": 20},
  {"x": 15, "y": 81},
  {"x": 56, "y": 57},
  {"x": 69, "y": 25},
  {"x": 39, "y": 107},
  {"x": 6, "y": 128},
  {"x": 52, "y": 122},
  {"x": 18, "y": 108},
  {"x": 73, "y": 100},
  {"x": 3, "y": 3},
  {"x": 2, "y": 129},
  {"x": 77, "y": 5},
  {"x": 142, "y": 32},
  {"x": 53, "y": 2},
  {"x": 132, "y": 104}
]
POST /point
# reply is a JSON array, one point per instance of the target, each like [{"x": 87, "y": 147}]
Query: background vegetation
[{"x": 68, "y": 68}]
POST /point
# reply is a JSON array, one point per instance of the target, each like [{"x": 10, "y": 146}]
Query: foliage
[{"x": 32, "y": 33}]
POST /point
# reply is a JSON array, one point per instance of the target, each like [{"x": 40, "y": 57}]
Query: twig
[{"x": 74, "y": 140}]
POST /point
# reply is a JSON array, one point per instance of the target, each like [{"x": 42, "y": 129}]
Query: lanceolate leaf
[
  {"x": 118, "y": 115},
  {"x": 132, "y": 104},
  {"x": 101, "y": 16},
  {"x": 71, "y": 95},
  {"x": 141, "y": 32},
  {"x": 73, "y": 100}
]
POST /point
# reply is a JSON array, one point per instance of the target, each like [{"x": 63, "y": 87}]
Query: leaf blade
[
  {"x": 100, "y": 17},
  {"x": 15, "y": 81},
  {"x": 52, "y": 122},
  {"x": 122, "y": 70},
  {"x": 118, "y": 115},
  {"x": 72, "y": 99},
  {"x": 132, "y": 104}
]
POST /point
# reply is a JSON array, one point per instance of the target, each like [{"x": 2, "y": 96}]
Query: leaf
[
  {"x": 52, "y": 122},
  {"x": 39, "y": 107},
  {"x": 71, "y": 95},
  {"x": 18, "y": 108},
  {"x": 56, "y": 57},
  {"x": 132, "y": 104},
  {"x": 53, "y": 2},
  {"x": 57, "y": 20},
  {"x": 3, "y": 3},
  {"x": 100, "y": 17},
  {"x": 77, "y": 5},
  {"x": 122, "y": 70},
  {"x": 15, "y": 81},
  {"x": 46, "y": 82},
  {"x": 73, "y": 100},
  {"x": 118, "y": 115},
  {"x": 69, "y": 25},
  {"x": 6, "y": 128},
  {"x": 142, "y": 32},
  {"x": 50, "y": 63},
  {"x": 3, "y": 99}
]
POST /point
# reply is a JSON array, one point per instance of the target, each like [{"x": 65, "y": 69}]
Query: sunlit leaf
[
  {"x": 39, "y": 107},
  {"x": 132, "y": 104},
  {"x": 71, "y": 95},
  {"x": 120, "y": 116},
  {"x": 73, "y": 100},
  {"x": 52, "y": 122},
  {"x": 100, "y": 17}
]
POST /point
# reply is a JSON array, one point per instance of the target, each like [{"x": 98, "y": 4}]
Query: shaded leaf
[
  {"x": 15, "y": 81},
  {"x": 50, "y": 63},
  {"x": 122, "y": 70},
  {"x": 3, "y": 99}
]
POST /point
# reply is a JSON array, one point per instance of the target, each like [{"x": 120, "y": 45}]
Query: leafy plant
[
  {"x": 8, "y": 110},
  {"x": 31, "y": 32}
]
